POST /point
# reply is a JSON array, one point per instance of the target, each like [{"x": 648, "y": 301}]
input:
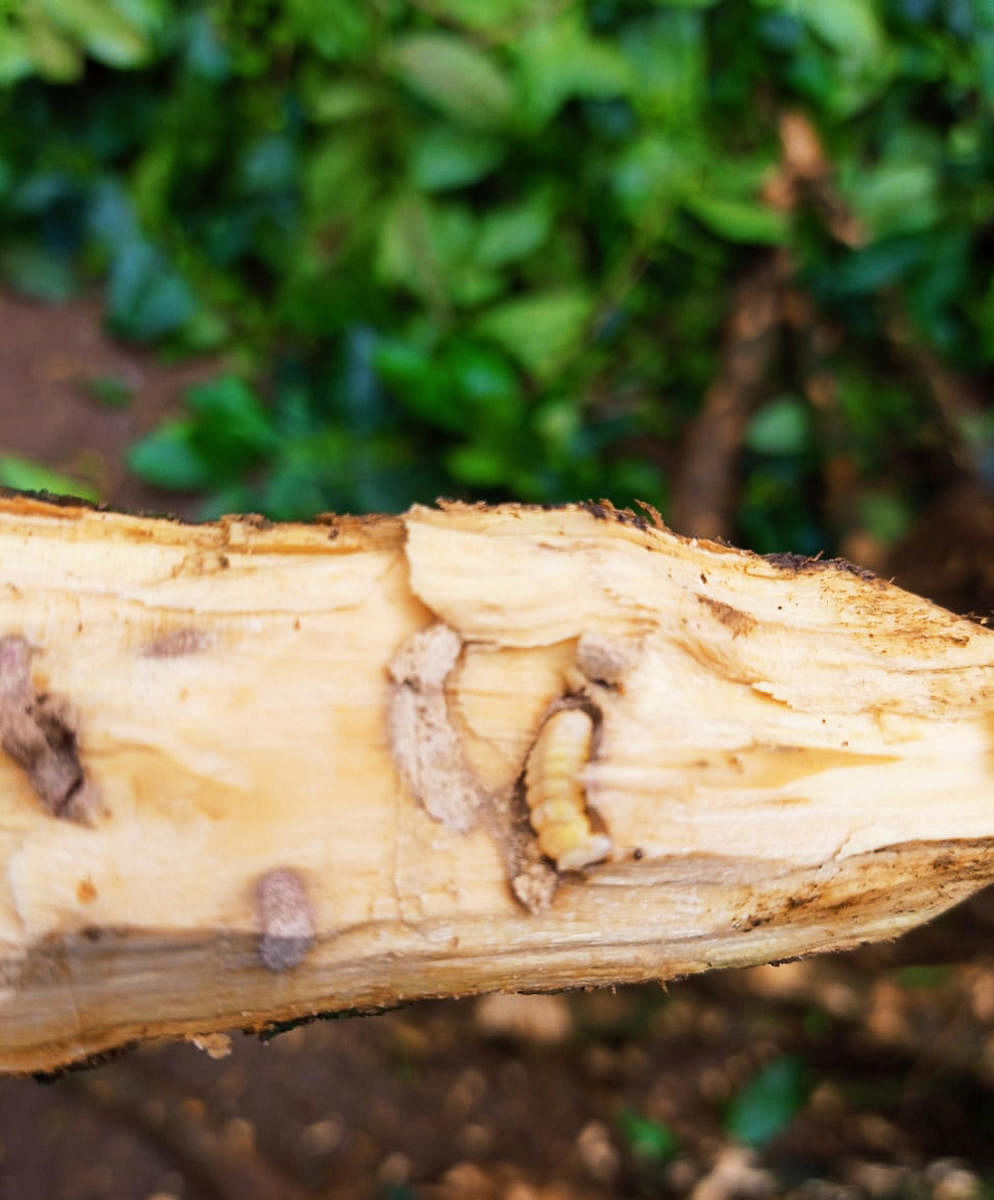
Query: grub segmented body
[{"x": 555, "y": 794}]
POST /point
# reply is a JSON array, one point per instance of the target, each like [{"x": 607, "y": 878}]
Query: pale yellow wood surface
[{"x": 789, "y": 758}]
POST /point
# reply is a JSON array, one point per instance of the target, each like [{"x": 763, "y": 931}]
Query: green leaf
[
  {"x": 896, "y": 197},
  {"x": 268, "y": 165},
  {"x": 485, "y": 378},
  {"x": 55, "y": 56},
  {"x": 478, "y": 465},
  {"x": 228, "y": 431},
  {"x": 206, "y": 56},
  {"x": 329, "y": 99},
  {"x": 649, "y": 176},
  {"x": 407, "y": 255},
  {"x": 146, "y": 298},
  {"x": 16, "y": 59},
  {"x": 428, "y": 249},
  {"x": 512, "y": 233},
  {"x": 558, "y": 59},
  {"x": 781, "y": 427},
  {"x": 886, "y": 515},
  {"x": 107, "y": 34},
  {"x": 652, "y": 1141},
  {"x": 336, "y": 29},
  {"x": 850, "y": 27},
  {"x": 27, "y": 476},
  {"x": 557, "y": 423},
  {"x": 767, "y": 1105},
  {"x": 878, "y": 265},
  {"x": 401, "y": 364},
  {"x": 338, "y": 178},
  {"x": 231, "y": 429},
  {"x": 453, "y": 76},
  {"x": 447, "y": 157},
  {"x": 667, "y": 51},
  {"x": 416, "y": 380},
  {"x": 166, "y": 458},
  {"x": 488, "y": 16},
  {"x": 984, "y": 51},
  {"x": 540, "y": 331},
  {"x": 739, "y": 220}
]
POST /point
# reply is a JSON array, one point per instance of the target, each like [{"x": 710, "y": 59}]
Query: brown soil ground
[
  {"x": 536, "y": 1098},
  {"x": 50, "y": 358}
]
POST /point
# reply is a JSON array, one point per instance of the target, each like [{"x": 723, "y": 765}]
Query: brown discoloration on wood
[
  {"x": 176, "y": 643},
  {"x": 732, "y": 618},
  {"x": 285, "y": 918},
  {"x": 38, "y": 731},
  {"x": 795, "y": 563}
]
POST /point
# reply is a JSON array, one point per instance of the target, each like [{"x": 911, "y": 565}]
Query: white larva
[{"x": 555, "y": 794}]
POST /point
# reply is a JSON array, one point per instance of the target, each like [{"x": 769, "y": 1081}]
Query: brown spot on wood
[
  {"x": 598, "y": 511},
  {"x": 175, "y": 643},
  {"x": 285, "y": 918},
  {"x": 201, "y": 562},
  {"x": 797, "y": 564},
  {"x": 733, "y": 618},
  {"x": 86, "y": 893},
  {"x": 604, "y": 510},
  {"x": 38, "y": 731},
  {"x": 788, "y": 561},
  {"x": 255, "y": 520}
]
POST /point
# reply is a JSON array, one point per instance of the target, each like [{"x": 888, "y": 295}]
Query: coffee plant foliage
[{"x": 487, "y": 248}]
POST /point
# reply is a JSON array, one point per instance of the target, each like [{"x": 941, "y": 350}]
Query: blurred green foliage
[
  {"x": 27, "y": 476},
  {"x": 651, "y": 1141},
  {"x": 768, "y": 1104},
  {"x": 487, "y": 247}
]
